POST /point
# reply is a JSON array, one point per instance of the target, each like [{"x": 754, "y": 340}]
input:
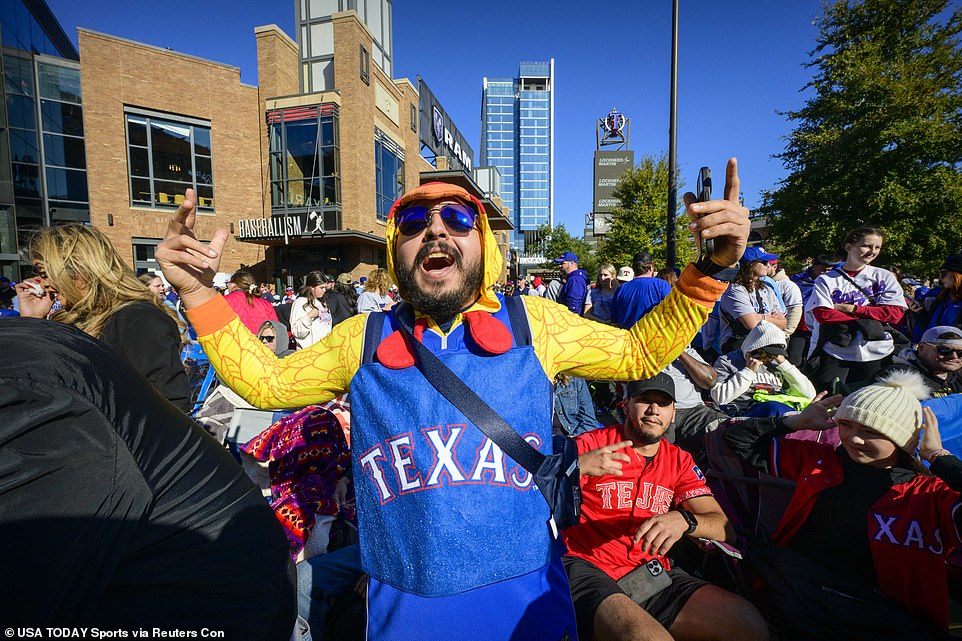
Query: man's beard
[
  {"x": 641, "y": 434},
  {"x": 435, "y": 300}
]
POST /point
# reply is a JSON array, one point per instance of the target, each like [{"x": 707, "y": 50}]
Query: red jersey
[
  {"x": 614, "y": 507},
  {"x": 911, "y": 528}
]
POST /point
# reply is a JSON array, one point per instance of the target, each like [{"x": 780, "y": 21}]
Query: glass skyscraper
[{"x": 517, "y": 137}]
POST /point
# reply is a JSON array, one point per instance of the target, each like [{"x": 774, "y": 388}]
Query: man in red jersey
[{"x": 641, "y": 494}]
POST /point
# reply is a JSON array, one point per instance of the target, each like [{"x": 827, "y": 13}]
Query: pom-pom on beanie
[{"x": 891, "y": 407}]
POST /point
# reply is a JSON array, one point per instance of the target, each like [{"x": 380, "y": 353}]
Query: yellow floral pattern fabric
[{"x": 562, "y": 341}]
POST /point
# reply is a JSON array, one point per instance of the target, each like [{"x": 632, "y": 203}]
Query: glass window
[
  {"x": 322, "y": 75},
  {"x": 322, "y": 39},
  {"x": 302, "y": 153},
  {"x": 374, "y": 19},
  {"x": 321, "y": 8},
  {"x": 23, "y": 146},
  {"x": 64, "y": 151},
  {"x": 365, "y": 66},
  {"x": 59, "y": 83},
  {"x": 389, "y": 174},
  {"x": 26, "y": 181},
  {"x": 61, "y": 212},
  {"x": 166, "y": 157},
  {"x": 18, "y": 75},
  {"x": 20, "y": 112},
  {"x": 62, "y": 118}
]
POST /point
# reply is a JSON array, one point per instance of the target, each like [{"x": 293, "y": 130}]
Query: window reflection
[
  {"x": 166, "y": 158},
  {"x": 303, "y": 158},
  {"x": 389, "y": 174}
]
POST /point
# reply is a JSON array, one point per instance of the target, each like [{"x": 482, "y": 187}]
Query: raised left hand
[{"x": 931, "y": 438}]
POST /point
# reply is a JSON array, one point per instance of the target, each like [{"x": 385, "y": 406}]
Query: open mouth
[{"x": 437, "y": 262}]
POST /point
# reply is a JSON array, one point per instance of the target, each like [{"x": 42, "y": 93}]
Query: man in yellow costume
[{"x": 454, "y": 534}]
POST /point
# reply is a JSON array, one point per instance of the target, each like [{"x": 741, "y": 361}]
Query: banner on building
[{"x": 438, "y": 133}]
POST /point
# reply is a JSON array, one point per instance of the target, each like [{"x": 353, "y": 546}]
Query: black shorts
[{"x": 590, "y": 586}]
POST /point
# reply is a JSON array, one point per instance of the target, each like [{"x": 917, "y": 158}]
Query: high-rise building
[
  {"x": 43, "y": 166},
  {"x": 517, "y": 137}
]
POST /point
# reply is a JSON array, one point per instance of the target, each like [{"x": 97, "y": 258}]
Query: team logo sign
[{"x": 438, "y": 124}]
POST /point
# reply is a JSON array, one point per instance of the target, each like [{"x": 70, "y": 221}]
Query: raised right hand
[
  {"x": 819, "y": 415},
  {"x": 725, "y": 220},
  {"x": 604, "y": 460},
  {"x": 188, "y": 264}
]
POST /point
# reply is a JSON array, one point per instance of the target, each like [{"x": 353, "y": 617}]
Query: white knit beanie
[
  {"x": 890, "y": 407},
  {"x": 763, "y": 335}
]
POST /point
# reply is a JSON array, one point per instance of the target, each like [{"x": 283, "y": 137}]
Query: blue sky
[{"x": 740, "y": 62}]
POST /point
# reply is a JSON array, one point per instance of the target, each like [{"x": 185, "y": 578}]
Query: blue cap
[
  {"x": 567, "y": 256},
  {"x": 757, "y": 253}
]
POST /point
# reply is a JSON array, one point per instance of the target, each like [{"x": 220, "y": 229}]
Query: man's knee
[
  {"x": 618, "y": 618},
  {"x": 714, "y": 613}
]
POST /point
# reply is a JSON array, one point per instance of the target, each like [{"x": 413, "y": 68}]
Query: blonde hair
[
  {"x": 379, "y": 281},
  {"x": 91, "y": 278}
]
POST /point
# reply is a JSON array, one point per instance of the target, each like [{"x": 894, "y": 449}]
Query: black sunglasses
[
  {"x": 414, "y": 219},
  {"x": 268, "y": 339},
  {"x": 948, "y": 351}
]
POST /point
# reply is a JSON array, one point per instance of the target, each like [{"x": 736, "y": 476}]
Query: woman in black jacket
[{"x": 78, "y": 267}]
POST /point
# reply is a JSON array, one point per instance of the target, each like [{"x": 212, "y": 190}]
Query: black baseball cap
[{"x": 661, "y": 382}]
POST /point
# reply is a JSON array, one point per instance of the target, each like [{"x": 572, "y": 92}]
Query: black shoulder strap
[
  {"x": 469, "y": 403},
  {"x": 841, "y": 271},
  {"x": 519, "y": 320},
  {"x": 373, "y": 329}
]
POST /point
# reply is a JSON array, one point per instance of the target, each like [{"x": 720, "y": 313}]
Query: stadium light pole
[{"x": 672, "y": 142}]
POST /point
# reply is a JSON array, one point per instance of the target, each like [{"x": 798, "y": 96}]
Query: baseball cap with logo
[
  {"x": 625, "y": 274},
  {"x": 566, "y": 257}
]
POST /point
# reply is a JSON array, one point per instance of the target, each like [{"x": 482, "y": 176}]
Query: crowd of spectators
[{"x": 821, "y": 380}]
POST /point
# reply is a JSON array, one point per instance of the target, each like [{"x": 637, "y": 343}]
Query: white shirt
[
  {"x": 307, "y": 330},
  {"x": 832, "y": 287}
]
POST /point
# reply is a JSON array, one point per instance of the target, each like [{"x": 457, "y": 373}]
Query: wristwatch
[
  {"x": 708, "y": 267},
  {"x": 690, "y": 520}
]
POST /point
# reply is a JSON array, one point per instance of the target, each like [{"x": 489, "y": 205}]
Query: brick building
[{"x": 302, "y": 169}]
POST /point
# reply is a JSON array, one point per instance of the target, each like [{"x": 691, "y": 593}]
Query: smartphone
[{"x": 703, "y": 191}]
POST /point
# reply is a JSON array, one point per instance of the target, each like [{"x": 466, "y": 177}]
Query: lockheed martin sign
[
  {"x": 438, "y": 132},
  {"x": 610, "y": 166}
]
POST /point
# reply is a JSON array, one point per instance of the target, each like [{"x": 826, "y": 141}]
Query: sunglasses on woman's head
[{"x": 414, "y": 219}]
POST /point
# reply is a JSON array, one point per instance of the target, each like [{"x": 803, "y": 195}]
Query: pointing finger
[{"x": 732, "y": 184}]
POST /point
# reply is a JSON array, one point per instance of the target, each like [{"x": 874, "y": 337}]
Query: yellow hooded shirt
[{"x": 562, "y": 341}]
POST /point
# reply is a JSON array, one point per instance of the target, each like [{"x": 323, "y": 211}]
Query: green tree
[
  {"x": 639, "y": 223},
  {"x": 880, "y": 141},
  {"x": 556, "y": 240}
]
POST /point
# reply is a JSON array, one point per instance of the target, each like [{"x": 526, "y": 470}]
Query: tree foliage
[
  {"x": 556, "y": 240},
  {"x": 639, "y": 222},
  {"x": 880, "y": 141}
]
